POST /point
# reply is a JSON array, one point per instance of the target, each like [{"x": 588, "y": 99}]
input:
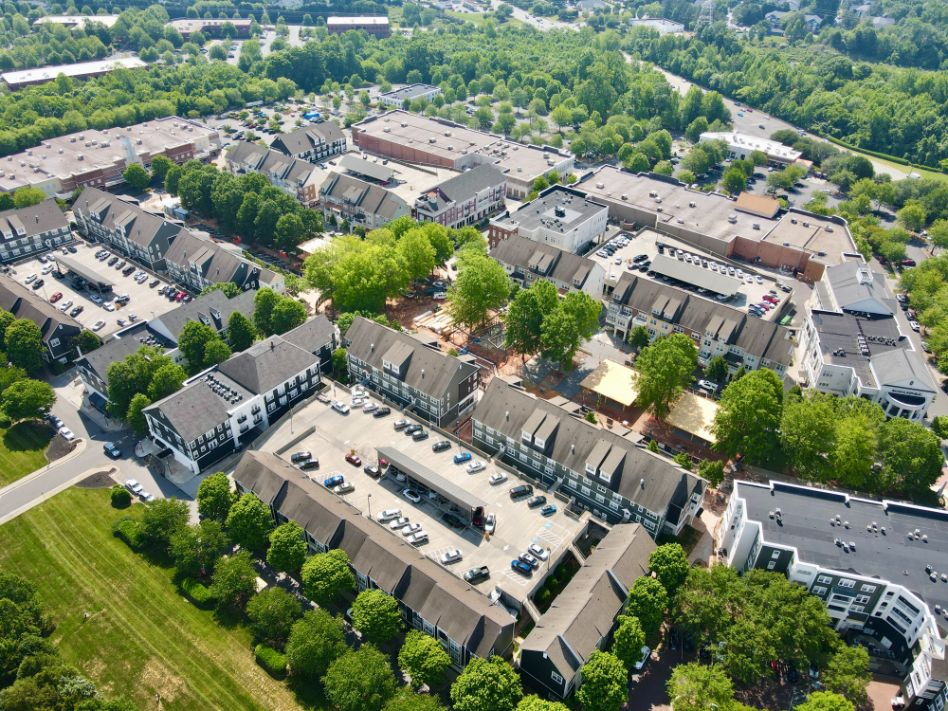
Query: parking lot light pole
[{"x": 370, "y": 504}]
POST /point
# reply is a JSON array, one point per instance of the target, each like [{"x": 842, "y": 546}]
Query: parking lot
[
  {"x": 517, "y": 525},
  {"x": 645, "y": 243},
  {"x": 144, "y": 301}
]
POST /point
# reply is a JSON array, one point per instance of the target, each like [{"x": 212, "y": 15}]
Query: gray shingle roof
[
  {"x": 114, "y": 349},
  {"x": 427, "y": 370},
  {"x": 266, "y": 364},
  {"x": 26, "y": 304},
  {"x": 112, "y": 212},
  {"x": 191, "y": 411},
  {"x": 213, "y": 308},
  {"x": 270, "y": 162},
  {"x": 545, "y": 260},
  {"x": 372, "y": 199},
  {"x": 306, "y": 138},
  {"x": 899, "y": 365},
  {"x": 215, "y": 263},
  {"x": 855, "y": 287},
  {"x": 313, "y": 334},
  {"x": 467, "y": 184},
  {"x": 642, "y": 477},
  {"x": 36, "y": 219}
]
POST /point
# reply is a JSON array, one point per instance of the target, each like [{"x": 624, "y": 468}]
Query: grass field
[
  {"x": 22, "y": 450},
  {"x": 140, "y": 636}
]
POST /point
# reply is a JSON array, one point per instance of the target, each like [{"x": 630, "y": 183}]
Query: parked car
[
  {"x": 133, "y": 486},
  {"x": 419, "y": 435},
  {"x": 411, "y": 429},
  {"x": 38, "y": 284},
  {"x": 548, "y": 510},
  {"x": 399, "y": 523},
  {"x": 55, "y": 297},
  {"x": 520, "y": 567},
  {"x": 441, "y": 445},
  {"x": 497, "y": 478},
  {"x": 452, "y": 555},
  {"x": 418, "y": 538},
  {"x": 67, "y": 433},
  {"x": 344, "y": 488},
  {"x": 490, "y": 523},
  {"x": 477, "y": 575},
  {"x": 410, "y": 529},
  {"x": 538, "y": 552},
  {"x": 154, "y": 283},
  {"x": 530, "y": 560},
  {"x": 76, "y": 311},
  {"x": 372, "y": 470},
  {"x": 370, "y": 407},
  {"x": 387, "y": 515},
  {"x": 382, "y": 412},
  {"x": 298, "y": 457},
  {"x": 462, "y": 457},
  {"x": 412, "y": 495},
  {"x": 536, "y": 501},
  {"x": 401, "y": 424},
  {"x": 66, "y": 305},
  {"x": 308, "y": 464},
  {"x": 476, "y": 466},
  {"x": 646, "y": 653},
  {"x": 914, "y": 326},
  {"x": 111, "y": 450},
  {"x": 354, "y": 459},
  {"x": 98, "y": 325},
  {"x": 521, "y": 490},
  {"x": 708, "y": 385}
]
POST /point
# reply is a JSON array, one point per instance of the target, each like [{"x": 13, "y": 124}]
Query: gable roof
[
  {"x": 461, "y": 187},
  {"x": 191, "y": 411},
  {"x": 313, "y": 334},
  {"x": 545, "y": 260},
  {"x": 305, "y": 138},
  {"x": 899, "y": 366},
  {"x": 855, "y": 287},
  {"x": 214, "y": 262},
  {"x": 273, "y": 164},
  {"x": 373, "y": 199},
  {"x": 36, "y": 219},
  {"x": 266, "y": 364},
  {"x": 212, "y": 309},
  {"x": 583, "y": 614},
  {"x": 114, "y": 213},
  {"x": 427, "y": 370},
  {"x": 26, "y": 304}
]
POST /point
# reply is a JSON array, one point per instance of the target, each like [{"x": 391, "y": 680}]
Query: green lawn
[
  {"x": 22, "y": 450},
  {"x": 140, "y": 636}
]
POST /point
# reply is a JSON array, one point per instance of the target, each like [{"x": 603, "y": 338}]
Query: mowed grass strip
[
  {"x": 22, "y": 450},
  {"x": 121, "y": 620}
]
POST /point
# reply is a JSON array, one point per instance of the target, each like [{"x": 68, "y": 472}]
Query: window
[
  {"x": 866, "y": 588},
  {"x": 825, "y": 579},
  {"x": 818, "y": 590},
  {"x": 847, "y": 583},
  {"x": 862, "y": 599},
  {"x": 557, "y": 679},
  {"x": 771, "y": 565},
  {"x": 774, "y": 555}
]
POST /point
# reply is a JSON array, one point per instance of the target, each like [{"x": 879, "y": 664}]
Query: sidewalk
[{"x": 37, "y": 480}]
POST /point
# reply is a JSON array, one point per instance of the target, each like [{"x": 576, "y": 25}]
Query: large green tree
[
  {"x": 696, "y": 687},
  {"x": 486, "y": 685},
  {"x": 23, "y": 341},
  {"x": 27, "y": 399},
  {"x": 481, "y": 286},
  {"x": 648, "y": 601},
  {"x": 136, "y": 176},
  {"x": 376, "y": 615},
  {"x": 327, "y": 575},
  {"x": 524, "y": 319},
  {"x": 808, "y": 434},
  {"x": 287, "y": 314},
  {"x": 848, "y": 675},
  {"x": 315, "y": 641},
  {"x": 423, "y": 659},
  {"x": 161, "y": 520},
  {"x": 240, "y": 332},
  {"x": 272, "y": 614},
  {"x": 605, "y": 683},
  {"x": 911, "y": 455},
  {"x": 234, "y": 582},
  {"x": 195, "y": 549},
  {"x": 628, "y": 640},
  {"x": 192, "y": 341},
  {"x": 288, "y": 548},
  {"x": 249, "y": 523},
  {"x": 360, "y": 681},
  {"x": 664, "y": 369},
  {"x": 669, "y": 563},
  {"x": 215, "y": 497},
  {"x": 826, "y": 701},
  {"x": 575, "y": 319},
  {"x": 748, "y": 419}
]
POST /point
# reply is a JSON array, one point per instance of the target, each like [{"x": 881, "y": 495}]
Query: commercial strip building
[
  {"x": 58, "y": 330},
  {"x": 375, "y": 25},
  {"x": 717, "y": 329},
  {"x": 561, "y": 217},
  {"x": 853, "y": 344},
  {"x": 299, "y": 178},
  {"x": 313, "y": 143},
  {"x": 98, "y": 158},
  {"x": 582, "y": 617},
  {"x": 397, "y": 98},
  {"x": 741, "y": 145},
  {"x": 79, "y": 70},
  {"x": 431, "y": 599},
  {"x": 526, "y": 261},
  {"x": 466, "y": 199},
  {"x": 81, "y": 21},
  {"x": 226, "y": 407},
  {"x": 363, "y": 204},
  {"x": 795, "y": 241},
  {"x": 211, "y": 27},
  {"x": 880, "y": 567},
  {"x": 26, "y": 231},
  {"x": 423, "y": 380},
  {"x": 597, "y": 469},
  {"x": 433, "y": 141}
]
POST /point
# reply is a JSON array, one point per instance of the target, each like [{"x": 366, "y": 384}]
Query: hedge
[
  {"x": 271, "y": 660},
  {"x": 130, "y": 531},
  {"x": 197, "y": 593},
  {"x": 121, "y": 497}
]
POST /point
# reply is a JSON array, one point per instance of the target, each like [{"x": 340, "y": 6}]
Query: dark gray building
[
  {"x": 195, "y": 263},
  {"x": 431, "y": 599},
  {"x": 28, "y": 230},
  {"x": 601, "y": 471},
  {"x": 59, "y": 330},
  {"x": 582, "y": 617},
  {"x": 313, "y": 143},
  {"x": 344, "y": 197},
  {"x": 466, "y": 199},
  {"x": 432, "y": 384}
]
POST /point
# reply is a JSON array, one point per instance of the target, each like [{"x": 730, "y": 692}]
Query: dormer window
[
  {"x": 590, "y": 469},
  {"x": 540, "y": 443},
  {"x": 526, "y": 436}
]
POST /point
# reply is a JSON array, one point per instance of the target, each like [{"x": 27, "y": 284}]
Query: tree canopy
[{"x": 664, "y": 369}]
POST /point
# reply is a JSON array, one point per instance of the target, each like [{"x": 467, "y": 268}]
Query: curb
[
  {"x": 52, "y": 492},
  {"x": 79, "y": 449}
]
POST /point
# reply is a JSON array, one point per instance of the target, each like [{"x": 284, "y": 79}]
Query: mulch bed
[
  {"x": 59, "y": 448},
  {"x": 99, "y": 480}
]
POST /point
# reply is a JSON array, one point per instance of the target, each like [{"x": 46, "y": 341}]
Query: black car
[
  {"x": 76, "y": 311},
  {"x": 112, "y": 261},
  {"x": 37, "y": 284},
  {"x": 372, "y": 470},
  {"x": 441, "y": 445},
  {"x": 154, "y": 283},
  {"x": 536, "y": 501},
  {"x": 420, "y": 435},
  {"x": 128, "y": 270},
  {"x": 411, "y": 429},
  {"x": 71, "y": 248},
  {"x": 477, "y": 575},
  {"x": 382, "y": 412},
  {"x": 309, "y": 464},
  {"x": 521, "y": 490},
  {"x": 298, "y": 457}
]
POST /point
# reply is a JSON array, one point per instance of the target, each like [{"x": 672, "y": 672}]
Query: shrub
[
  {"x": 940, "y": 426},
  {"x": 271, "y": 660},
  {"x": 121, "y": 497},
  {"x": 130, "y": 531},
  {"x": 197, "y": 593}
]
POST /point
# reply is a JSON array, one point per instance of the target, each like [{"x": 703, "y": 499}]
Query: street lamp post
[{"x": 370, "y": 504}]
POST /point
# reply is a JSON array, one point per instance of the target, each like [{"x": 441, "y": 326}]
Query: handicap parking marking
[{"x": 517, "y": 578}]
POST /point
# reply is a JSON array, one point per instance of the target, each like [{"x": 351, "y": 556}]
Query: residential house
[
  {"x": 124, "y": 226},
  {"x": 299, "y": 178},
  {"x": 195, "y": 263},
  {"x": 559, "y": 216},
  {"x": 26, "y": 231},
  {"x": 465, "y": 199},
  {"x": 877, "y": 565},
  {"x": 360, "y": 203},
  {"x": 601, "y": 471},
  {"x": 313, "y": 143},
  {"x": 527, "y": 261},
  {"x": 582, "y": 617},
  {"x": 438, "y": 387},
  {"x": 717, "y": 329},
  {"x": 228, "y": 406},
  {"x": 58, "y": 329}
]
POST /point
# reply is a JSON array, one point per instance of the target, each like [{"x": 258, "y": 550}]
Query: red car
[
  {"x": 771, "y": 298},
  {"x": 55, "y": 297},
  {"x": 180, "y": 296},
  {"x": 908, "y": 262},
  {"x": 354, "y": 459}
]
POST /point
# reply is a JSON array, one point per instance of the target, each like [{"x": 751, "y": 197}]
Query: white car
[
  {"x": 340, "y": 407},
  {"x": 538, "y": 551},
  {"x": 475, "y": 466},
  {"x": 133, "y": 486},
  {"x": 760, "y": 279},
  {"x": 410, "y": 529},
  {"x": 452, "y": 555},
  {"x": 418, "y": 538},
  {"x": 30, "y": 279},
  {"x": 98, "y": 325},
  {"x": 387, "y": 515},
  {"x": 370, "y": 407},
  {"x": 147, "y": 496},
  {"x": 48, "y": 268},
  {"x": 67, "y": 434},
  {"x": 490, "y": 523},
  {"x": 398, "y": 523},
  {"x": 109, "y": 307},
  {"x": 497, "y": 478},
  {"x": 65, "y": 306},
  {"x": 412, "y": 495}
]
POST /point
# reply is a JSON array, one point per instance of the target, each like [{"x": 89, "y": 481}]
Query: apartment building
[
  {"x": 526, "y": 261},
  {"x": 25, "y": 231},
  {"x": 602, "y": 472},
  {"x": 878, "y": 565},
  {"x": 228, "y": 406},
  {"x": 195, "y": 263},
  {"x": 124, "y": 226},
  {"x": 299, "y": 178},
  {"x": 58, "y": 330},
  {"x": 438, "y": 387},
  {"x": 853, "y": 344},
  {"x": 582, "y": 617},
  {"x": 430, "y": 598},
  {"x": 717, "y": 329},
  {"x": 465, "y": 199},
  {"x": 559, "y": 217},
  {"x": 360, "y": 203},
  {"x": 312, "y": 143}
]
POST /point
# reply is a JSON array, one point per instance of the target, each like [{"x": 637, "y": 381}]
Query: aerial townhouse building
[
  {"x": 58, "y": 330},
  {"x": 526, "y": 261},
  {"x": 465, "y": 199},
  {"x": 25, "y": 231},
  {"x": 299, "y": 178},
  {"x": 313, "y": 143}
]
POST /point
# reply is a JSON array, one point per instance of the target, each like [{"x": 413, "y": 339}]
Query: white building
[
  {"x": 410, "y": 92},
  {"x": 741, "y": 145},
  {"x": 878, "y": 566},
  {"x": 560, "y": 217}
]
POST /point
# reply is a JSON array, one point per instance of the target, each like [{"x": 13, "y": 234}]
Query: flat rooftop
[
  {"x": 407, "y": 93},
  {"x": 805, "y": 525},
  {"x": 77, "y": 20},
  {"x": 335, "y": 435},
  {"x": 841, "y": 345},
  {"x": 696, "y": 275},
  {"x": 820, "y": 236},
  {"x": 360, "y": 167},
  {"x": 91, "y": 275},
  {"x": 80, "y": 69},
  {"x": 773, "y": 149},
  {"x": 557, "y": 209},
  {"x": 707, "y": 214}
]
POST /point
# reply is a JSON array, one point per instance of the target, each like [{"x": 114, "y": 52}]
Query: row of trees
[
  {"x": 823, "y": 438},
  {"x": 243, "y": 204},
  {"x": 927, "y": 288}
]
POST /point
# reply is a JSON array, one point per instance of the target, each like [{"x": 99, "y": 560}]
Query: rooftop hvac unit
[
  {"x": 806, "y": 224},
  {"x": 756, "y": 225},
  {"x": 432, "y": 139},
  {"x": 624, "y": 196},
  {"x": 600, "y": 186},
  {"x": 828, "y": 228},
  {"x": 653, "y": 193},
  {"x": 386, "y": 130},
  {"x": 793, "y": 220},
  {"x": 404, "y": 125},
  {"x": 732, "y": 218}
]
